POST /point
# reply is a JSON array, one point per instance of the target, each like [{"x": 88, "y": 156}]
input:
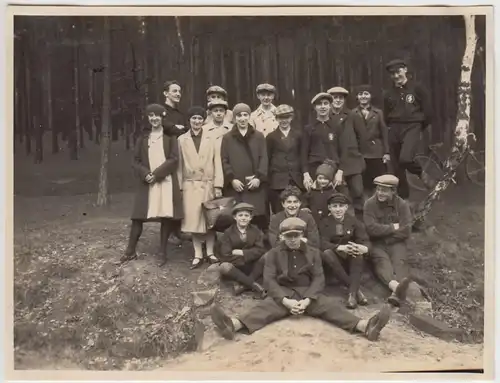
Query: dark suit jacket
[
  {"x": 353, "y": 231},
  {"x": 284, "y": 158},
  {"x": 372, "y": 132},
  {"x": 310, "y": 280},
  {"x": 253, "y": 248}
]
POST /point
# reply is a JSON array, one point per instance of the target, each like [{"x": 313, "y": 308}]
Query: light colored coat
[
  {"x": 198, "y": 173},
  {"x": 264, "y": 121}
]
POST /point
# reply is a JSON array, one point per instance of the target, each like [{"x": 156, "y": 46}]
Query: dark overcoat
[
  {"x": 253, "y": 248},
  {"x": 141, "y": 167},
  {"x": 243, "y": 157},
  {"x": 353, "y": 230},
  {"x": 372, "y": 132},
  {"x": 351, "y": 160}
]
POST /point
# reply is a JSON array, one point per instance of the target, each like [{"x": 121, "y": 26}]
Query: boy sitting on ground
[
  {"x": 241, "y": 245},
  {"x": 291, "y": 202}
]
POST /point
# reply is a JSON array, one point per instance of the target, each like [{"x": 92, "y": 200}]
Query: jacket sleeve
[
  {"x": 226, "y": 166},
  {"x": 312, "y": 232},
  {"x": 218, "y": 172},
  {"x": 140, "y": 169},
  {"x": 270, "y": 278},
  {"x": 425, "y": 103},
  {"x": 180, "y": 165},
  {"x": 405, "y": 222},
  {"x": 387, "y": 107},
  {"x": 304, "y": 150},
  {"x": 263, "y": 164},
  {"x": 270, "y": 147},
  {"x": 373, "y": 228},
  {"x": 318, "y": 277},
  {"x": 257, "y": 250},
  {"x": 346, "y": 141},
  {"x": 360, "y": 234},
  {"x": 324, "y": 233},
  {"x": 384, "y": 132},
  {"x": 274, "y": 230},
  {"x": 226, "y": 247}
]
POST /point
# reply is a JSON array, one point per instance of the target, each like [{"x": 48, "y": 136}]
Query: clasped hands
[
  {"x": 296, "y": 307},
  {"x": 353, "y": 249},
  {"x": 239, "y": 186}
]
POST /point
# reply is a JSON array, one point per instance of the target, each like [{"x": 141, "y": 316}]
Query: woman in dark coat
[
  {"x": 245, "y": 165},
  {"x": 158, "y": 197}
]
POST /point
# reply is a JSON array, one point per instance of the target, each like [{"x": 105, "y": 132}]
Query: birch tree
[{"x": 461, "y": 142}]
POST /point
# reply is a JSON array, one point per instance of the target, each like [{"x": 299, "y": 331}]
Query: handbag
[{"x": 218, "y": 213}]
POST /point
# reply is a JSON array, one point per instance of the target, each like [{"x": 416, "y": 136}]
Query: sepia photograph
[{"x": 235, "y": 191}]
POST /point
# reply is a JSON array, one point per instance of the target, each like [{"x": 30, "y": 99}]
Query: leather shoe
[
  {"x": 352, "y": 303},
  {"x": 259, "y": 290},
  {"x": 394, "y": 300},
  {"x": 362, "y": 300},
  {"x": 377, "y": 322},
  {"x": 223, "y": 322}
]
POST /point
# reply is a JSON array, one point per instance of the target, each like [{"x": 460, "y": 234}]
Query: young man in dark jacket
[
  {"x": 372, "y": 133},
  {"x": 348, "y": 176},
  {"x": 174, "y": 121},
  {"x": 320, "y": 140},
  {"x": 294, "y": 279},
  {"x": 388, "y": 221},
  {"x": 283, "y": 152},
  {"x": 408, "y": 111},
  {"x": 344, "y": 243}
]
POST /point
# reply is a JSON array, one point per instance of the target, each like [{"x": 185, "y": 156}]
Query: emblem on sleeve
[{"x": 410, "y": 98}]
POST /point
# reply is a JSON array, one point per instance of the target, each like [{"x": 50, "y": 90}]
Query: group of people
[{"x": 313, "y": 180}]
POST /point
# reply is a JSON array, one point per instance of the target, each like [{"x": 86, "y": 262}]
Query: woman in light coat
[{"x": 200, "y": 178}]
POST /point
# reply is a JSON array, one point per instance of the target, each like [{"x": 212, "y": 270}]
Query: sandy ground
[{"x": 307, "y": 344}]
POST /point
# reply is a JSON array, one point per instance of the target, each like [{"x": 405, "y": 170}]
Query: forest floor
[{"x": 76, "y": 307}]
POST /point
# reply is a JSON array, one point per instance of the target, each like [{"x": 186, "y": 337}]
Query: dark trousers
[
  {"x": 405, "y": 144},
  {"x": 242, "y": 275},
  {"x": 339, "y": 264},
  {"x": 374, "y": 167},
  {"x": 390, "y": 261},
  {"x": 354, "y": 188},
  {"x": 268, "y": 311}
]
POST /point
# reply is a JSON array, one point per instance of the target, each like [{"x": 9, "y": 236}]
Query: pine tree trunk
[
  {"x": 103, "y": 194},
  {"x": 50, "y": 104},
  {"x": 29, "y": 98},
  {"x": 461, "y": 144}
]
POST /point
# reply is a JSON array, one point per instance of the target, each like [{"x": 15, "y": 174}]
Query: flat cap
[
  {"x": 339, "y": 198},
  {"x": 243, "y": 206},
  {"x": 213, "y": 104},
  {"x": 292, "y": 225},
  {"x": 395, "y": 64},
  {"x": 338, "y": 90},
  {"x": 265, "y": 88},
  {"x": 363, "y": 88},
  {"x": 216, "y": 89},
  {"x": 157, "y": 109},
  {"x": 386, "y": 180},
  {"x": 320, "y": 96},
  {"x": 283, "y": 110}
]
